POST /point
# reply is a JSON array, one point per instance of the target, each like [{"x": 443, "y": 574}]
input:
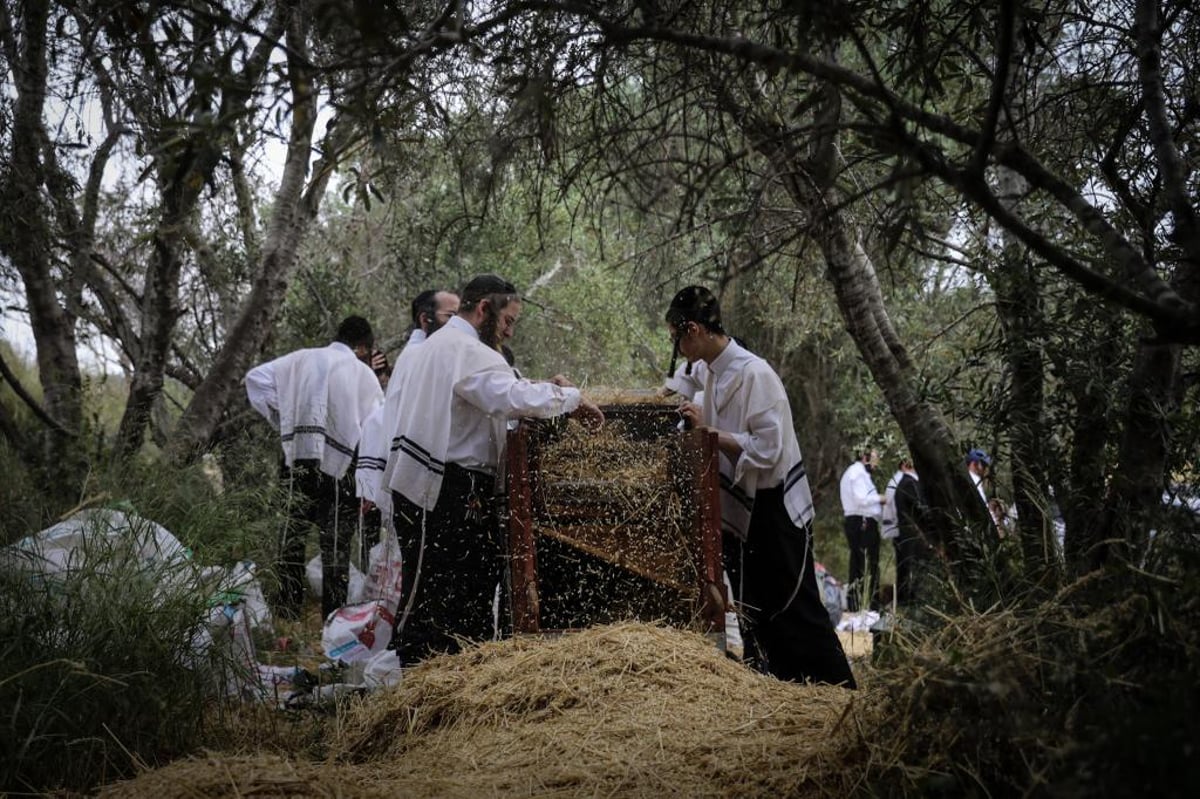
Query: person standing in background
[
  {"x": 862, "y": 508},
  {"x": 318, "y": 399},
  {"x": 912, "y": 551}
]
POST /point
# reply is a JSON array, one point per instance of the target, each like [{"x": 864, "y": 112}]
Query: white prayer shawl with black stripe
[
  {"x": 425, "y": 397},
  {"x": 380, "y": 429},
  {"x": 744, "y": 397},
  {"x": 325, "y": 394}
]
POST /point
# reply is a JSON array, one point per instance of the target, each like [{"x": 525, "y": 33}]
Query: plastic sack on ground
[
  {"x": 93, "y": 538},
  {"x": 234, "y": 658},
  {"x": 382, "y": 669},
  {"x": 358, "y": 631},
  {"x": 240, "y": 585}
]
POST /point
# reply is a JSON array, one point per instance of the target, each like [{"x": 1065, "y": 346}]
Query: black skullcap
[
  {"x": 355, "y": 331},
  {"x": 485, "y": 286},
  {"x": 425, "y": 302},
  {"x": 695, "y": 304}
]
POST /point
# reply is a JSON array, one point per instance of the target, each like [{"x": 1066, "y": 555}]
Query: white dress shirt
[
  {"x": 745, "y": 398},
  {"x": 454, "y": 405},
  {"x": 859, "y": 495}
]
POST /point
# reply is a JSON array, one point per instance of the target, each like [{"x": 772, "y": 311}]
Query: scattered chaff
[{"x": 611, "y": 495}]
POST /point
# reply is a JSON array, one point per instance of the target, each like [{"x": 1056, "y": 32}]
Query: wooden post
[{"x": 521, "y": 550}]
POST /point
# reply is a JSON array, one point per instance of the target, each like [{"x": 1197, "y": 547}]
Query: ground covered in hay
[{"x": 629, "y": 709}]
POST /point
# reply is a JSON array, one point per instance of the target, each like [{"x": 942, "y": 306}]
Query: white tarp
[{"x": 92, "y": 540}]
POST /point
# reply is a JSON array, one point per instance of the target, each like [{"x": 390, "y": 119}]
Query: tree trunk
[
  {"x": 1082, "y": 495},
  {"x": 961, "y": 526},
  {"x": 160, "y": 305},
  {"x": 185, "y": 166},
  {"x": 1140, "y": 477},
  {"x": 294, "y": 210},
  {"x": 26, "y": 236},
  {"x": 1019, "y": 307}
]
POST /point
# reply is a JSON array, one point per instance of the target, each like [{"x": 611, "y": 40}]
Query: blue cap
[{"x": 979, "y": 455}]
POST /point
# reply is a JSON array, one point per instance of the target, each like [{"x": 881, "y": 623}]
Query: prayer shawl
[
  {"x": 425, "y": 398},
  {"x": 745, "y": 397},
  {"x": 379, "y": 430},
  {"x": 325, "y": 395}
]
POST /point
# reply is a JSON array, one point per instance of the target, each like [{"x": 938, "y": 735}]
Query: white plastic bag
[
  {"x": 241, "y": 581},
  {"x": 353, "y": 633},
  {"x": 382, "y": 670},
  {"x": 358, "y": 631}
]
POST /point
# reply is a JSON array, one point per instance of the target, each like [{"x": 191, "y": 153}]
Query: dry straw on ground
[{"x": 628, "y": 710}]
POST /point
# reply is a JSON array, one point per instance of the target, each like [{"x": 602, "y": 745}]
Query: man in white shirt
[
  {"x": 766, "y": 502},
  {"x": 431, "y": 309},
  {"x": 318, "y": 400},
  {"x": 862, "y": 507},
  {"x": 456, "y": 399}
]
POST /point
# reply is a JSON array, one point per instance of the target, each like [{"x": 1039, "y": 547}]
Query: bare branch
[
  {"x": 28, "y": 399},
  {"x": 1171, "y": 167}
]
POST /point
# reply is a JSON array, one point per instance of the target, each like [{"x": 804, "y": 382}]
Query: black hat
[{"x": 695, "y": 304}]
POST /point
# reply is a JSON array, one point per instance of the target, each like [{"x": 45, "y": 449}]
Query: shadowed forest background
[{"x": 946, "y": 225}]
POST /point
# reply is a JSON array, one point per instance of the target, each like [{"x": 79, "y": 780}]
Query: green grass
[{"x": 96, "y": 671}]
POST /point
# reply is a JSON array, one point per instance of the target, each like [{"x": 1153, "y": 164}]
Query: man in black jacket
[{"x": 912, "y": 553}]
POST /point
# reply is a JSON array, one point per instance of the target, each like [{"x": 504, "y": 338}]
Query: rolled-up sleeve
[{"x": 500, "y": 392}]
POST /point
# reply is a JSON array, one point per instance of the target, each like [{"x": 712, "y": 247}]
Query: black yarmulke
[{"x": 695, "y": 304}]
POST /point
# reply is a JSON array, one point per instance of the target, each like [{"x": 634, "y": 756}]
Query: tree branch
[
  {"x": 33, "y": 404},
  {"x": 1171, "y": 168},
  {"x": 1004, "y": 53}
]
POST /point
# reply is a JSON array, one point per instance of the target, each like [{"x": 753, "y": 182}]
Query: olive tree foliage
[
  {"x": 138, "y": 118},
  {"x": 1046, "y": 147},
  {"x": 454, "y": 186},
  {"x": 684, "y": 146},
  {"x": 1067, "y": 133},
  {"x": 144, "y": 209}
]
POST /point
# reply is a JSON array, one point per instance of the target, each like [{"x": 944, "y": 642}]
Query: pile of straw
[
  {"x": 259, "y": 776},
  {"x": 624, "y": 709},
  {"x": 629, "y": 709}
]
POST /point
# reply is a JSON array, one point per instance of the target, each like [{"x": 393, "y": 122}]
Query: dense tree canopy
[{"x": 946, "y": 223}]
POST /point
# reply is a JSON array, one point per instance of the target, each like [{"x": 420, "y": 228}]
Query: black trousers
[
  {"x": 316, "y": 500},
  {"x": 786, "y": 629},
  {"x": 913, "y": 558},
  {"x": 453, "y": 559},
  {"x": 862, "y": 536}
]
